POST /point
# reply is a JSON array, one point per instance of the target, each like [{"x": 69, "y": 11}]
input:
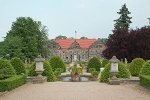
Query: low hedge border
[
  {"x": 145, "y": 80},
  {"x": 12, "y": 82}
]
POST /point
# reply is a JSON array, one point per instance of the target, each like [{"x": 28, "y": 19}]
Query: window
[
  {"x": 82, "y": 56},
  {"x": 48, "y": 45},
  {"x": 100, "y": 46},
  {"x": 97, "y": 46},
  {"x": 54, "y": 46},
  {"x": 86, "y": 56}
]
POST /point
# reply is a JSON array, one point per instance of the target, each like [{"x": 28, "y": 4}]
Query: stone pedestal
[
  {"x": 114, "y": 82},
  {"x": 38, "y": 80}
]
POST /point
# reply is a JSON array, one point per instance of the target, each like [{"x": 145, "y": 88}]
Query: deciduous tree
[{"x": 32, "y": 35}]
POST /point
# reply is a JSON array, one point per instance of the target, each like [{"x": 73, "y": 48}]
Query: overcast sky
[{"x": 90, "y": 18}]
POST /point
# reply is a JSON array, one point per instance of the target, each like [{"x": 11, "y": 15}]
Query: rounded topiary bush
[
  {"x": 136, "y": 66},
  {"x": 145, "y": 70},
  {"x": 94, "y": 63},
  {"x": 57, "y": 62},
  {"x": 104, "y": 62},
  {"x": 123, "y": 72},
  {"x": 18, "y": 65},
  {"x": 6, "y": 68},
  {"x": 47, "y": 71}
]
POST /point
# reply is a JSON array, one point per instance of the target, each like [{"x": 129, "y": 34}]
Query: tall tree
[
  {"x": 124, "y": 20},
  {"x": 149, "y": 20},
  {"x": 104, "y": 40},
  {"x": 117, "y": 44},
  {"x": 33, "y": 36},
  {"x": 12, "y": 48},
  {"x": 149, "y": 23}
]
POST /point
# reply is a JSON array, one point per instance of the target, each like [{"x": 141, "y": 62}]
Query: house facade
[{"x": 76, "y": 49}]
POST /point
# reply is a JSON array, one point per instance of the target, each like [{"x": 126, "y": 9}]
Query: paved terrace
[{"x": 77, "y": 91}]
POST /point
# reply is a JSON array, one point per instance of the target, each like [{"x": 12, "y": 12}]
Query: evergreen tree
[
  {"x": 124, "y": 20},
  {"x": 149, "y": 23}
]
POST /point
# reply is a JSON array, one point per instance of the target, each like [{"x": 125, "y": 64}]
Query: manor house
[{"x": 76, "y": 49}]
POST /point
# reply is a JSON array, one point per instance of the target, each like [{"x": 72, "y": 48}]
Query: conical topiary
[
  {"x": 136, "y": 66},
  {"x": 18, "y": 65},
  {"x": 6, "y": 68},
  {"x": 94, "y": 63},
  {"x": 104, "y": 62},
  {"x": 57, "y": 62},
  {"x": 145, "y": 70}
]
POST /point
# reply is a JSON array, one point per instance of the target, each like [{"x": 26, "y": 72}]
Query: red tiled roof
[{"x": 66, "y": 43}]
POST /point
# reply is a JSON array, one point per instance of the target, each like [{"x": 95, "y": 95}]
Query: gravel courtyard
[{"x": 77, "y": 91}]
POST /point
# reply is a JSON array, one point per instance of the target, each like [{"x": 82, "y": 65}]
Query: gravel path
[{"x": 77, "y": 91}]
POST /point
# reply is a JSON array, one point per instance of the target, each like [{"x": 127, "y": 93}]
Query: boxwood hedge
[
  {"x": 123, "y": 72},
  {"x": 12, "y": 82},
  {"x": 145, "y": 80},
  {"x": 47, "y": 71}
]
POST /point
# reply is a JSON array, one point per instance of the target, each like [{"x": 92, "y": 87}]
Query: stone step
[{"x": 131, "y": 80}]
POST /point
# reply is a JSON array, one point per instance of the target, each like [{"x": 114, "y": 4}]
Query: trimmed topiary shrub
[
  {"x": 6, "y": 68},
  {"x": 57, "y": 62},
  {"x": 123, "y": 72},
  {"x": 145, "y": 70},
  {"x": 47, "y": 71},
  {"x": 136, "y": 66},
  {"x": 94, "y": 63},
  {"x": 145, "y": 74},
  {"x": 18, "y": 65},
  {"x": 104, "y": 62}
]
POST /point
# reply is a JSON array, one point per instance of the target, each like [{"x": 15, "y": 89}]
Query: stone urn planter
[{"x": 75, "y": 77}]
